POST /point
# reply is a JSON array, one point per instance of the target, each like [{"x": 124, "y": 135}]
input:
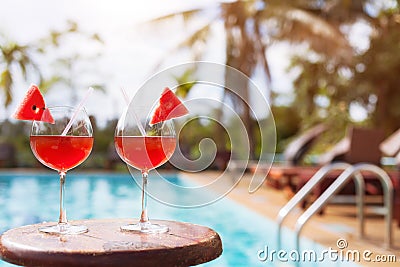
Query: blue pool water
[{"x": 27, "y": 198}]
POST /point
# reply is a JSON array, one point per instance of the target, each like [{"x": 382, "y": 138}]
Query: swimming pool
[{"x": 27, "y": 198}]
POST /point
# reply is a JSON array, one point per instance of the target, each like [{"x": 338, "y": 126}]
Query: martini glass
[
  {"x": 62, "y": 153},
  {"x": 144, "y": 147}
]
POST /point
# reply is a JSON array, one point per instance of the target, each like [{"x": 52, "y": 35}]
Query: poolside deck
[{"x": 338, "y": 221}]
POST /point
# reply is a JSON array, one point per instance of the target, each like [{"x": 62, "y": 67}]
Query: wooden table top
[{"x": 105, "y": 245}]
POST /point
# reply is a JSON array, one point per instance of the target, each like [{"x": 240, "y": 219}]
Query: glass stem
[
  {"x": 143, "y": 217},
  {"x": 63, "y": 213}
]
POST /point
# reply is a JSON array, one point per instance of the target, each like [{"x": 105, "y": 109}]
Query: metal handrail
[
  {"x": 387, "y": 186},
  {"x": 314, "y": 180}
]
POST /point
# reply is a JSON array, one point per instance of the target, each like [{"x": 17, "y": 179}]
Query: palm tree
[
  {"x": 22, "y": 58},
  {"x": 252, "y": 27},
  {"x": 14, "y": 56},
  {"x": 369, "y": 80},
  {"x": 376, "y": 73}
]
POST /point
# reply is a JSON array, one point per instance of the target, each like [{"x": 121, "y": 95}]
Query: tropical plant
[
  {"x": 252, "y": 27},
  {"x": 375, "y": 82},
  {"x": 329, "y": 90},
  {"x": 16, "y": 59},
  {"x": 14, "y": 56}
]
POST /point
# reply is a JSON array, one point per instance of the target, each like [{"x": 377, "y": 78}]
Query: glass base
[
  {"x": 64, "y": 229},
  {"x": 147, "y": 227}
]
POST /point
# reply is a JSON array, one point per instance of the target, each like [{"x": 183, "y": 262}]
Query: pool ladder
[{"x": 348, "y": 171}]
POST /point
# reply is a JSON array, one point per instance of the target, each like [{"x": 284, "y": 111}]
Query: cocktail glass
[
  {"x": 62, "y": 153},
  {"x": 144, "y": 147}
]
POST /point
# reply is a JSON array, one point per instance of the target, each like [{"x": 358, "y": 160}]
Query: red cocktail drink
[
  {"x": 145, "y": 152},
  {"x": 61, "y": 153}
]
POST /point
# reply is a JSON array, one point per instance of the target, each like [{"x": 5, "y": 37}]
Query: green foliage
[
  {"x": 17, "y": 135},
  {"x": 251, "y": 27},
  {"x": 196, "y": 130},
  {"x": 333, "y": 76},
  {"x": 5, "y": 84},
  {"x": 13, "y": 56},
  {"x": 326, "y": 88},
  {"x": 287, "y": 122},
  {"x": 376, "y": 74},
  {"x": 185, "y": 83},
  {"x": 16, "y": 58}
]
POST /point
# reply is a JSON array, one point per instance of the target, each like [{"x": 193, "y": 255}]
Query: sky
[{"x": 130, "y": 51}]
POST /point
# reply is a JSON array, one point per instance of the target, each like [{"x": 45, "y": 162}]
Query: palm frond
[
  {"x": 297, "y": 25},
  {"x": 22, "y": 65},
  {"x": 97, "y": 37},
  {"x": 185, "y": 82},
  {"x": 199, "y": 35},
  {"x": 5, "y": 84},
  {"x": 23, "y": 60},
  {"x": 261, "y": 52},
  {"x": 72, "y": 26},
  {"x": 99, "y": 87},
  {"x": 46, "y": 84},
  {"x": 186, "y": 15}
]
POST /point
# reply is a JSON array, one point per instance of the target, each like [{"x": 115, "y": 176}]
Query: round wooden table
[{"x": 105, "y": 245}]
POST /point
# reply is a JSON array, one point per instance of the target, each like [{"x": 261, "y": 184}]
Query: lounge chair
[
  {"x": 366, "y": 146},
  {"x": 281, "y": 176},
  {"x": 391, "y": 147},
  {"x": 360, "y": 145},
  {"x": 296, "y": 149}
]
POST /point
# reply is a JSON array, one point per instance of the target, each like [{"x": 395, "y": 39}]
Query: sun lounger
[{"x": 360, "y": 145}]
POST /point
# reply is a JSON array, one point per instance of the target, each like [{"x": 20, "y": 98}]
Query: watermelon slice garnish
[
  {"x": 169, "y": 107},
  {"x": 33, "y": 107}
]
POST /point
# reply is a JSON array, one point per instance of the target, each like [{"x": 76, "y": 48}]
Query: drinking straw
[
  {"x": 126, "y": 97},
  {"x": 140, "y": 126},
  {"x": 78, "y": 108}
]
